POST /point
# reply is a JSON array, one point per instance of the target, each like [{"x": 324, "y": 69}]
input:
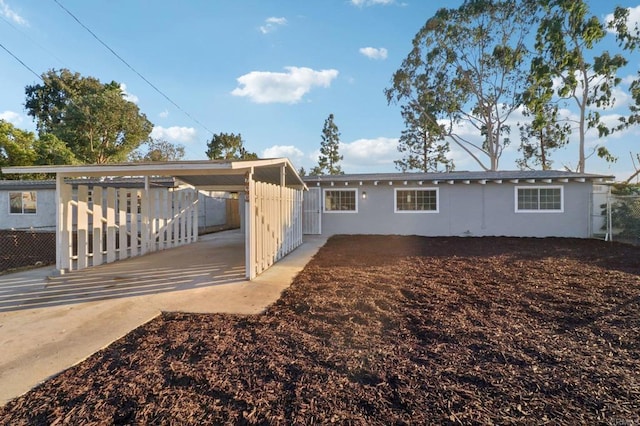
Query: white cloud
[
  {"x": 633, "y": 20},
  {"x": 11, "y": 117},
  {"x": 265, "y": 87},
  {"x": 174, "y": 134},
  {"x": 271, "y": 24},
  {"x": 10, "y": 14},
  {"x": 369, "y": 152},
  {"x": 361, "y": 3},
  {"x": 164, "y": 114},
  {"x": 287, "y": 151},
  {"x": 128, "y": 96},
  {"x": 374, "y": 52}
]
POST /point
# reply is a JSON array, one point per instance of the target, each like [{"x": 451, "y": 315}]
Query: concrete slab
[{"x": 50, "y": 323}]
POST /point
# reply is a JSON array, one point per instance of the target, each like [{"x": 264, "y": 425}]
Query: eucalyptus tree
[
  {"x": 329, "y": 150},
  {"x": 569, "y": 58},
  {"x": 93, "y": 119},
  {"x": 467, "y": 67}
]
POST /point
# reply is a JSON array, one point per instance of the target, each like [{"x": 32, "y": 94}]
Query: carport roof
[{"x": 223, "y": 175}]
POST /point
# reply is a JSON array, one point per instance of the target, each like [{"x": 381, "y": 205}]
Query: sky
[{"x": 271, "y": 70}]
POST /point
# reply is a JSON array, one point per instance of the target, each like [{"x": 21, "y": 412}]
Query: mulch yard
[{"x": 386, "y": 330}]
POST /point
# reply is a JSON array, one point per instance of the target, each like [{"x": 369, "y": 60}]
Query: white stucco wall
[
  {"x": 464, "y": 210},
  {"x": 44, "y": 218}
]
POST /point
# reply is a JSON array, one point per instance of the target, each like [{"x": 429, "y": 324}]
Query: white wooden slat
[
  {"x": 189, "y": 217},
  {"x": 111, "y": 224},
  {"x": 152, "y": 220},
  {"x": 177, "y": 196},
  {"x": 122, "y": 224},
  {"x": 82, "y": 226},
  {"x": 133, "y": 220},
  {"x": 66, "y": 246},
  {"x": 97, "y": 225},
  {"x": 162, "y": 219},
  {"x": 144, "y": 222},
  {"x": 184, "y": 203}
]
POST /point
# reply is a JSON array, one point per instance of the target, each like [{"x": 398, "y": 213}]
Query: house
[{"x": 501, "y": 203}]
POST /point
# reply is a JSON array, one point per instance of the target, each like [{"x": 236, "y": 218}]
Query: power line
[
  {"x": 130, "y": 67},
  {"x": 22, "y": 63},
  {"x": 32, "y": 40}
]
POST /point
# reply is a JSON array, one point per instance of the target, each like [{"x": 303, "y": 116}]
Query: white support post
[
  {"x": 249, "y": 238},
  {"x": 122, "y": 224},
  {"x": 134, "y": 222},
  {"x": 82, "y": 226},
  {"x": 111, "y": 224},
  {"x": 145, "y": 228},
  {"x": 97, "y": 225}
]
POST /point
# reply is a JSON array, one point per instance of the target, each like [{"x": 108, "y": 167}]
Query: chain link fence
[
  {"x": 20, "y": 248},
  {"x": 616, "y": 216}
]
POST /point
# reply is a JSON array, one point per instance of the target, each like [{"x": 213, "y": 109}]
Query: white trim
[
  {"x": 421, "y": 189},
  {"x": 515, "y": 198},
  {"x": 324, "y": 198}
]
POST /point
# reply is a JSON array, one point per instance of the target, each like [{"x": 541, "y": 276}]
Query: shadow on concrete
[{"x": 214, "y": 260}]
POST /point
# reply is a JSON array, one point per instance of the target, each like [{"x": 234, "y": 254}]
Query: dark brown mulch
[{"x": 386, "y": 330}]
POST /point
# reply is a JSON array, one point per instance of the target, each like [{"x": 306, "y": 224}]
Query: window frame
[
  {"x": 395, "y": 199},
  {"x": 539, "y": 210},
  {"x": 324, "y": 199},
  {"x": 22, "y": 212}
]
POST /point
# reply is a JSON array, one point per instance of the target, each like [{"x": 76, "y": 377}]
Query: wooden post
[
  {"x": 82, "y": 226},
  {"x": 122, "y": 224},
  {"x": 111, "y": 224},
  {"x": 96, "y": 210}
]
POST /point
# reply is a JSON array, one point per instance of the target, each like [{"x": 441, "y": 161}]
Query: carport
[{"x": 101, "y": 223}]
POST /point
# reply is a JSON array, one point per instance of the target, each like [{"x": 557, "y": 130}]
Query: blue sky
[{"x": 272, "y": 70}]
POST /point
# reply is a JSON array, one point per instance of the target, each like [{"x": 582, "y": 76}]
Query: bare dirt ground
[{"x": 386, "y": 330}]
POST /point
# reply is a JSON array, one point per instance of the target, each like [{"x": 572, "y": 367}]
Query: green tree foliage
[
  {"x": 625, "y": 210},
  {"x": 329, "y": 150},
  {"x": 158, "y": 150},
  {"x": 93, "y": 119},
  {"x": 16, "y": 146},
  {"x": 421, "y": 143},
  {"x": 541, "y": 136},
  {"x": 22, "y": 148},
  {"x": 466, "y": 66},
  {"x": 228, "y": 146},
  {"x": 566, "y": 43}
]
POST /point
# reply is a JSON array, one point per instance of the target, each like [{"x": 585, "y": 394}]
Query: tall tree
[
  {"x": 565, "y": 43},
  {"x": 228, "y": 146},
  {"x": 467, "y": 64},
  {"x": 421, "y": 143},
  {"x": 93, "y": 119},
  {"x": 329, "y": 150},
  {"x": 546, "y": 132},
  {"x": 158, "y": 150}
]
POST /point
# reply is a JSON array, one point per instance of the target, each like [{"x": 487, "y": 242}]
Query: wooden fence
[
  {"x": 101, "y": 225},
  {"x": 276, "y": 224}
]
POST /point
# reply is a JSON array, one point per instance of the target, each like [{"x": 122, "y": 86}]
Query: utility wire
[
  {"x": 130, "y": 67},
  {"x": 32, "y": 40},
  {"x": 22, "y": 63}
]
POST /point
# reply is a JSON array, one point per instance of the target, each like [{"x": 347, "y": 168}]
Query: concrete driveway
[{"x": 49, "y": 323}]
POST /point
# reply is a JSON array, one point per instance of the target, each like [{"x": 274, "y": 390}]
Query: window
[
  {"x": 22, "y": 202},
  {"x": 417, "y": 200},
  {"x": 341, "y": 200},
  {"x": 539, "y": 199}
]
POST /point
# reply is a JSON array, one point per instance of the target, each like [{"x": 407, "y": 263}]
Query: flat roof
[
  {"x": 462, "y": 176},
  {"x": 223, "y": 175}
]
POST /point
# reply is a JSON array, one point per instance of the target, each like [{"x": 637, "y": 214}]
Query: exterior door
[{"x": 312, "y": 212}]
